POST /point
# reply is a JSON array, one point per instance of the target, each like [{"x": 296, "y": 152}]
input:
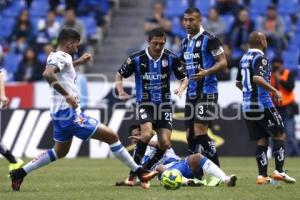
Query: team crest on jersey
[
  {"x": 198, "y": 43},
  {"x": 128, "y": 61},
  {"x": 264, "y": 61},
  {"x": 80, "y": 120},
  {"x": 164, "y": 63}
]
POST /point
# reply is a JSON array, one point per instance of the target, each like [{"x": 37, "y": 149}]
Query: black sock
[
  {"x": 152, "y": 161},
  {"x": 7, "y": 154},
  {"x": 279, "y": 154},
  {"x": 191, "y": 143},
  {"x": 139, "y": 151},
  {"x": 262, "y": 160},
  {"x": 209, "y": 148}
]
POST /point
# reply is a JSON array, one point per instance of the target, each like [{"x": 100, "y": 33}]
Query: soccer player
[
  {"x": 152, "y": 68},
  {"x": 191, "y": 167},
  {"x": 204, "y": 57},
  {"x": 262, "y": 119},
  {"x": 67, "y": 118},
  {"x": 14, "y": 162}
]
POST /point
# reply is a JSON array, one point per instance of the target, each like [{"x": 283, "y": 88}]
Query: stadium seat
[
  {"x": 204, "y": 6},
  {"x": 291, "y": 58},
  {"x": 228, "y": 21},
  {"x": 14, "y": 9},
  {"x": 39, "y": 8},
  {"x": 287, "y": 7},
  {"x": 90, "y": 25},
  {"x": 258, "y": 7},
  {"x": 175, "y": 8},
  {"x": 177, "y": 28},
  {"x": 287, "y": 23},
  {"x": 6, "y": 26},
  {"x": 12, "y": 61}
]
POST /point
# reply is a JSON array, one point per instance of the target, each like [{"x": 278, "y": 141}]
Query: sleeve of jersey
[
  {"x": 57, "y": 61},
  {"x": 260, "y": 65},
  {"x": 179, "y": 69},
  {"x": 215, "y": 47},
  {"x": 127, "y": 68}
]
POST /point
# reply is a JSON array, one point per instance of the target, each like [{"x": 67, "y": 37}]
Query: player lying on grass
[{"x": 191, "y": 167}]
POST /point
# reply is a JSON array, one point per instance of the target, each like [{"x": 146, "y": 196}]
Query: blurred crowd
[
  {"x": 29, "y": 30},
  {"x": 232, "y": 21}
]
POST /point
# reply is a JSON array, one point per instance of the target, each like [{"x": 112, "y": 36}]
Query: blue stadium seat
[
  {"x": 102, "y": 4},
  {"x": 291, "y": 59},
  {"x": 258, "y": 7},
  {"x": 175, "y": 8},
  {"x": 287, "y": 23},
  {"x": 90, "y": 25},
  {"x": 6, "y": 26},
  {"x": 228, "y": 20},
  {"x": 14, "y": 9},
  {"x": 39, "y": 8},
  {"x": 204, "y": 6},
  {"x": 177, "y": 28},
  {"x": 287, "y": 7},
  {"x": 12, "y": 61}
]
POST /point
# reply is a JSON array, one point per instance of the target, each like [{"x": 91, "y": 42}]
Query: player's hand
[
  {"x": 278, "y": 97},
  {"x": 178, "y": 92},
  {"x": 200, "y": 75},
  {"x": 72, "y": 101},
  {"x": 134, "y": 137},
  {"x": 3, "y": 101},
  {"x": 85, "y": 58},
  {"x": 124, "y": 95}
]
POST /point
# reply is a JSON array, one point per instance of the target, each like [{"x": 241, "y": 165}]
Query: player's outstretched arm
[
  {"x": 260, "y": 81},
  {"x": 49, "y": 75},
  {"x": 83, "y": 59},
  {"x": 120, "y": 89}
]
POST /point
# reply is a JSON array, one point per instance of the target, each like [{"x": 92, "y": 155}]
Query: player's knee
[
  {"x": 200, "y": 129},
  {"x": 164, "y": 144},
  {"x": 280, "y": 137},
  {"x": 61, "y": 153},
  {"x": 263, "y": 142}
]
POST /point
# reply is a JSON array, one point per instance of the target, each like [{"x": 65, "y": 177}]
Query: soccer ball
[{"x": 171, "y": 179}]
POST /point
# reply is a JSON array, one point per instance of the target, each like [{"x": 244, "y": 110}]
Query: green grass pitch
[{"x": 85, "y": 178}]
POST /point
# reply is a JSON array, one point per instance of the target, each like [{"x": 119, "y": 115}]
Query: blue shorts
[
  {"x": 67, "y": 123},
  {"x": 184, "y": 168}
]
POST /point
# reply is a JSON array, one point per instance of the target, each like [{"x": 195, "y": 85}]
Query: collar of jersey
[
  {"x": 149, "y": 56},
  {"x": 197, "y": 35},
  {"x": 256, "y": 50}
]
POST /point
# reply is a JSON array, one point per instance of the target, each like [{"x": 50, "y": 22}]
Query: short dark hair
[
  {"x": 132, "y": 127},
  {"x": 277, "y": 60},
  {"x": 67, "y": 35},
  {"x": 157, "y": 32},
  {"x": 192, "y": 10}
]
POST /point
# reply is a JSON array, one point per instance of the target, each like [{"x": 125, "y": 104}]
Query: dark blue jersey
[
  {"x": 152, "y": 77},
  {"x": 198, "y": 52},
  {"x": 254, "y": 63}
]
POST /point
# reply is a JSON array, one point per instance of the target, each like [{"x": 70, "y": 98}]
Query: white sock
[
  {"x": 212, "y": 169},
  {"x": 44, "y": 159},
  {"x": 122, "y": 154}
]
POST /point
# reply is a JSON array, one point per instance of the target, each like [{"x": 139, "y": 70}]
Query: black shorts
[
  {"x": 160, "y": 116},
  {"x": 264, "y": 124},
  {"x": 201, "y": 109}
]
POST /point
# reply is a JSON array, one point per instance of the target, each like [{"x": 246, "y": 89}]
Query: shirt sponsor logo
[{"x": 188, "y": 55}]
